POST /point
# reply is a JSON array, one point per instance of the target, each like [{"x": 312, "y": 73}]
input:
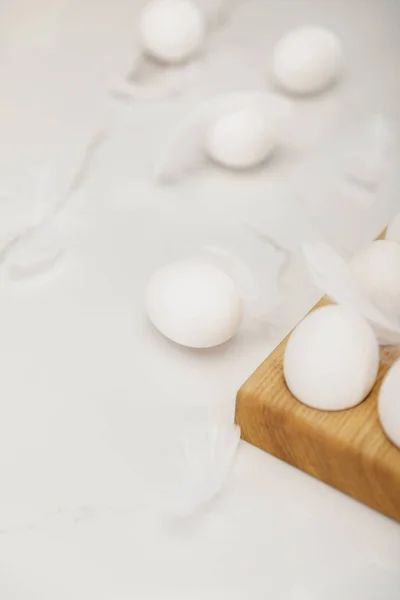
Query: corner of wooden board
[{"x": 347, "y": 450}]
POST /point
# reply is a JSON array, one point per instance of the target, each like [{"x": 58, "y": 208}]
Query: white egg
[
  {"x": 376, "y": 269},
  {"x": 172, "y": 30},
  {"x": 393, "y": 230},
  {"x": 331, "y": 359},
  {"x": 194, "y": 304},
  {"x": 307, "y": 60},
  {"x": 389, "y": 404},
  {"x": 241, "y": 139}
]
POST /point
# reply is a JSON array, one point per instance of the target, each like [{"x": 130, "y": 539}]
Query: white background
[{"x": 93, "y": 401}]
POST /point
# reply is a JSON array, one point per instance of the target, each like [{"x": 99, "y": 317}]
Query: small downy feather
[
  {"x": 35, "y": 251},
  {"x": 38, "y": 247},
  {"x": 209, "y": 450},
  {"x": 259, "y": 294},
  {"x": 370, "y": 154},
  {"x": 217, "y": 12},
  {"x": 333, "y": 277},
  {"x": 184, "y": 151},
  {"x": 170, "y": 82}
]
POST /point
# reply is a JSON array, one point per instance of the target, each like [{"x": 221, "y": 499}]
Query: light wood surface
[{"x": 347, "y": 450}]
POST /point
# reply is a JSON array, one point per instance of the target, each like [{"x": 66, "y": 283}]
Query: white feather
[
  {"x": 209, "y": 450},
  {"x": 169, "y": 82},
  {"x": 217, "y": 12},
  {"x": 135, "y": 91},
  {"x": 39, "y": 245},
  {"x": 185, "y": 149},
  {"x": 370, "y": 154},
  {"x": 34, "y": 252},
  {"x": 333, "y": 277},
  {"x": 260, "y": 293}
]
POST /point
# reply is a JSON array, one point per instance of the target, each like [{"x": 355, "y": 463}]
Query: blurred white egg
[
  {"x": 241, "y": 139},
  {"x": 389, "y": 404},
  {"x": 376, "y": 269},
  {"x": 331, "y": 359},
  {"x": 307, "y": 60},
  {"x": 172, "y": 30},
  {"x": 393, "y": 230},
  {"x": 194, "y": 304}
]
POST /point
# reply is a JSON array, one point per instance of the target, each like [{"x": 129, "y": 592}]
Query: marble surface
[{"x": 94, "y": 402}]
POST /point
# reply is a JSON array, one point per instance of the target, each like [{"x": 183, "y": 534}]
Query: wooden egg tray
[{"x": 347, "y": 450}]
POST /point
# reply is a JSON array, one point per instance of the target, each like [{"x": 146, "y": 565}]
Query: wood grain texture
[{"x": 347, "y": 450}]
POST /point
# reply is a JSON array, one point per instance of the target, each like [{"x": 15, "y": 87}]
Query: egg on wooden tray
[
  {"x": 376, "y": 269},
  {"x": 241, "y": 139},
  {"x": 389, "y": 404},
  {"x": 307, "y": 61},
  {"x": 331, "y": 359},
  {"x": 194, "y": 304},
  {"x": 172, "y": 31}
]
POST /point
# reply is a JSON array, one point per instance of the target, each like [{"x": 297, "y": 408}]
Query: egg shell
[
  {"x": 172, "y": 31},
  {"x": 331, "y": 359},
  {"x": 194, "y": 305},
  {"x": 307, "y": 60},
  {"x": 389, "y": 404},
  {"x": 376, "y": 268},
  {"x": 393, "y": 230},
  {"x": 241, "y": 139}
]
